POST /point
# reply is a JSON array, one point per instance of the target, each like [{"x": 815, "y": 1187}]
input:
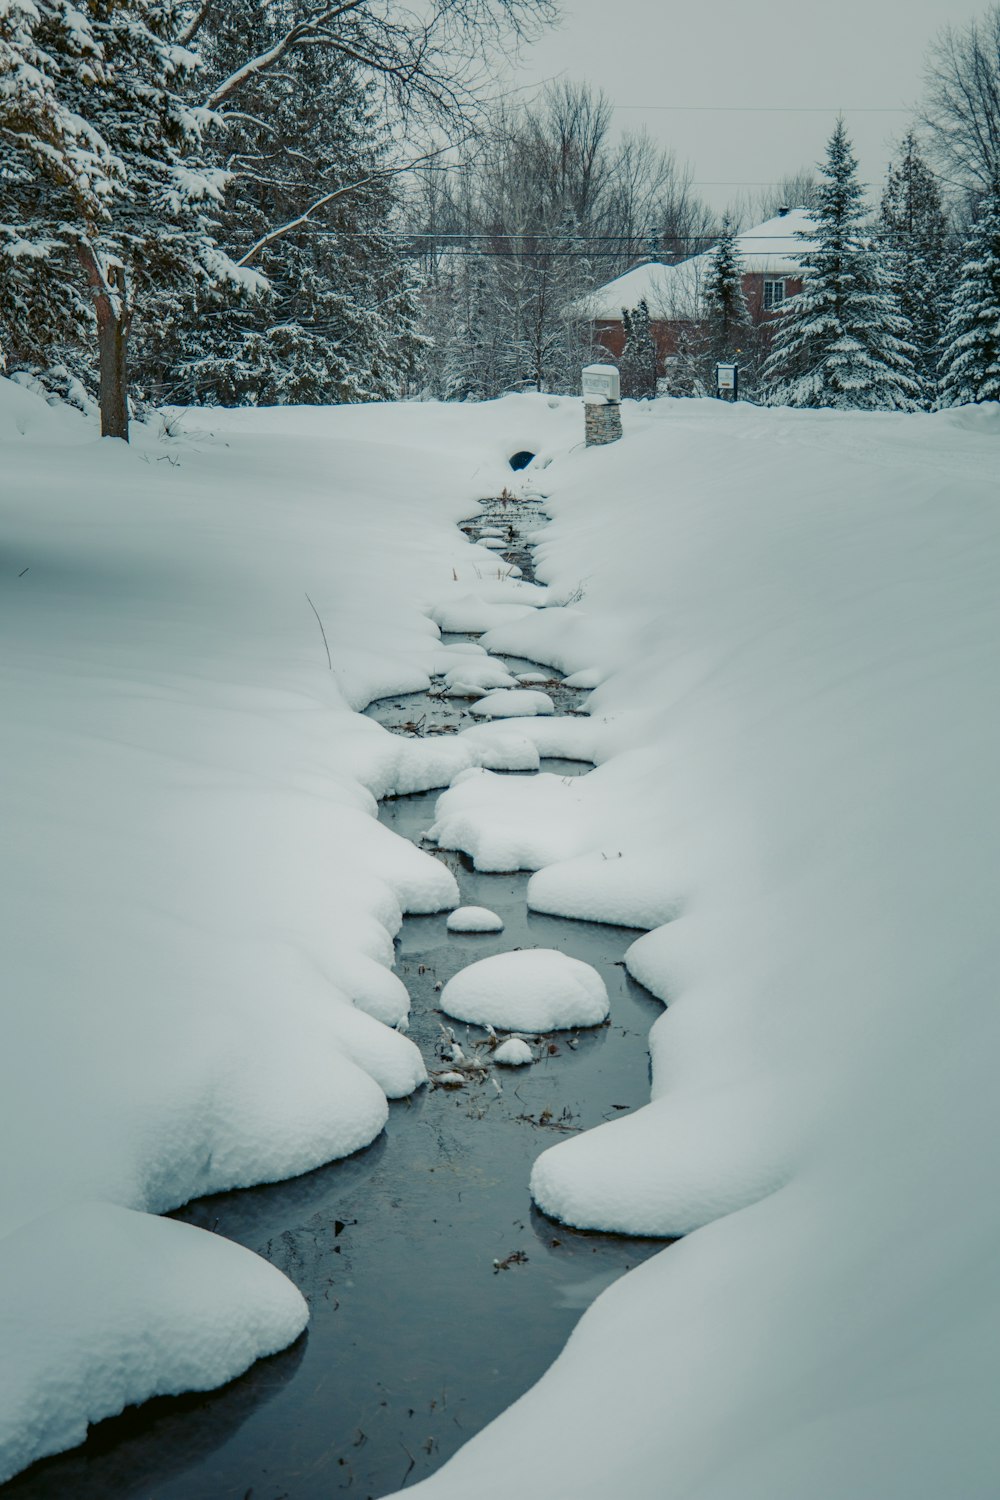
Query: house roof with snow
[{"x": 774, "y": 248}]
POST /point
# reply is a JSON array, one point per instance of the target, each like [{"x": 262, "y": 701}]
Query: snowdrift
[
  {"x": 793, "y": 619},
  {"x": 198, "y": 904}
]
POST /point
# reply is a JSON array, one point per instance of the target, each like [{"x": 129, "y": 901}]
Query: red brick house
[{"x": 772, "y": 255}]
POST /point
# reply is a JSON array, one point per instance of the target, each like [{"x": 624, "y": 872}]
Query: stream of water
[{"x": 438, "y": 1294}]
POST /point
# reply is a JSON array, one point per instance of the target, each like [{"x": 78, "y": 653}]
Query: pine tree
[
  {"x": 687, "y": 368},
  {"x": 113, "y": 191},
  {"x": 44, "y": 307},
  {"x": 970, "y": 364},
  {"x": 307, "y": 149},
  {"x": 842, "y": 341},
  {"x": 459, "y": 325},
  {"x": 638, "y": 362},
  {"x": 724, "y": 306},
  {"x": 916, "y": 243}
]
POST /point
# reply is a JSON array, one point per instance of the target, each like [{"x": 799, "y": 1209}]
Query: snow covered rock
[
  {"x": 533, "y": 989},
  {"x": 482, "y": 672},
  {"x": 474, "y": 919},
  {"x": 513, "y": 1053}
]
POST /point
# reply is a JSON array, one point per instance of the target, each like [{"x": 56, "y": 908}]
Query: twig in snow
[{"x": 326, "y": 643}]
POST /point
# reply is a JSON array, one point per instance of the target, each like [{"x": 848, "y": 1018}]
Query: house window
[{"x": 774, "y": 295}]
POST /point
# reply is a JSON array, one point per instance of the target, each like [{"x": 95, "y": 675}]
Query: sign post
[
  {"x": 727, "y": 382},
  {"x": 601, "y": 404}
]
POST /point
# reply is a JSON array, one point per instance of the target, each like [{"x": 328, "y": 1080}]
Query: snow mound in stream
[
  {"x": 474, "y": 919},
  {"x": 514, "y": 703},
  {"x": 513, "y": 1053},
  {"x": 533, "y": 989},
  {"x": 482, "y": 672}
]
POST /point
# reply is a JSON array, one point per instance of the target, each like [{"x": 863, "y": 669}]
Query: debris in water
[
  {"x": 515, "y": 1258},
  {"x": 449, "y": 1080}
]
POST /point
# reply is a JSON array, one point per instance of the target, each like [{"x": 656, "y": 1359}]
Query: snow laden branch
[
  {"x": 433, "y": 63},
  {"x": 308, "y": 28},
  {"x": 188, "y": 33},
  {"x": 351, "y": 187}
]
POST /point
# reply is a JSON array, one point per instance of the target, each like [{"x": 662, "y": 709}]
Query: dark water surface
[{"x": 417, "y": 1338}]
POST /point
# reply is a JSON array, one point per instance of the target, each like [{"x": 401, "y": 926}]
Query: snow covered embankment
[
  {"x": 794, "y": 620},
  {"x": 198, "y": 902}
]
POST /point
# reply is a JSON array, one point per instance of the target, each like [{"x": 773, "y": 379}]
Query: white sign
[
  {"x": 725, "y": 377},
  {"x": 601, "y": 383}
]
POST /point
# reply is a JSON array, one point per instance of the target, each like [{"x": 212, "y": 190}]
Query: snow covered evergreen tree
[
  {"x": 637, "y": 365},
  {"x": 313, "y": 208},
  {"x": 110, "y": 188},
  {"x": 917, "y": 244},
  {"x": 686, "y": 371},
  {"x": 970, "y": 364},
  {"x": 724, "y": 305},
  {"x": 843, "y": 341},
  {"x": 466, "y": 330}
]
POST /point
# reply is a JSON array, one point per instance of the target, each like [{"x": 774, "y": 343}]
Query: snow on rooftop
[{"x": 774, "y": 248}]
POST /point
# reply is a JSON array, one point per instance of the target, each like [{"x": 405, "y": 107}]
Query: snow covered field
[{"x": 793, "y": 619}]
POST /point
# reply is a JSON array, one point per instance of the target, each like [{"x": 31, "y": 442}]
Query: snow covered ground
[
  {"x": 198, "y": 903},
  {"x": 795, "y": 620},
  {"x": 791, "y": 623}
]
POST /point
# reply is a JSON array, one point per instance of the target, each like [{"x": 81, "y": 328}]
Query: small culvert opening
[{"x": 520, "y": 460}]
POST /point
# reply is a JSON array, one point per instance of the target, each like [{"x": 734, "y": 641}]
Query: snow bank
[
  {"x": 197, "y": 901},
  {"x": 133, "y": 1307},
  {"x": 628, "y": 889},
  {"x": 793, "y": 618},
  {"x": 510, "y": 824},
  {"x": 531, "y": 989}
]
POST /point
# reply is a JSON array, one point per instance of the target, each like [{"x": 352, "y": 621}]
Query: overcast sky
[{"x": 808, "y": 59}]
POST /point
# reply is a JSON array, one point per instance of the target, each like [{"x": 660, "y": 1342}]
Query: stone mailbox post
[{"x": 602, "y": 404}]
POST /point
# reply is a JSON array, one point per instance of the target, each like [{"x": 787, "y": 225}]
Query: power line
[
  {"x": 762, "y": 109},
  {"x": 445, "y": 236}
]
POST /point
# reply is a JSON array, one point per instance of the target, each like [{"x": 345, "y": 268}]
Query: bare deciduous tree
[
  {"x": 546, "y": 206},
  {"x": 962, "y": 109},
  {"x": 795, "y": 190}
]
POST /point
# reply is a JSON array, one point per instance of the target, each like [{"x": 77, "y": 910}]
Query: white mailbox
[{"x": 601, "y": 383}]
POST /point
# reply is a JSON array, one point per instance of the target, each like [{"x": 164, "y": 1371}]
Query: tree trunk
[
  {"x": 112, "y": 337},
  {"x": 114, "y": 319}
]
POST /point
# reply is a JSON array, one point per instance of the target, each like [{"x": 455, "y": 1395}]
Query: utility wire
[{"x": 761, "y": 109}]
